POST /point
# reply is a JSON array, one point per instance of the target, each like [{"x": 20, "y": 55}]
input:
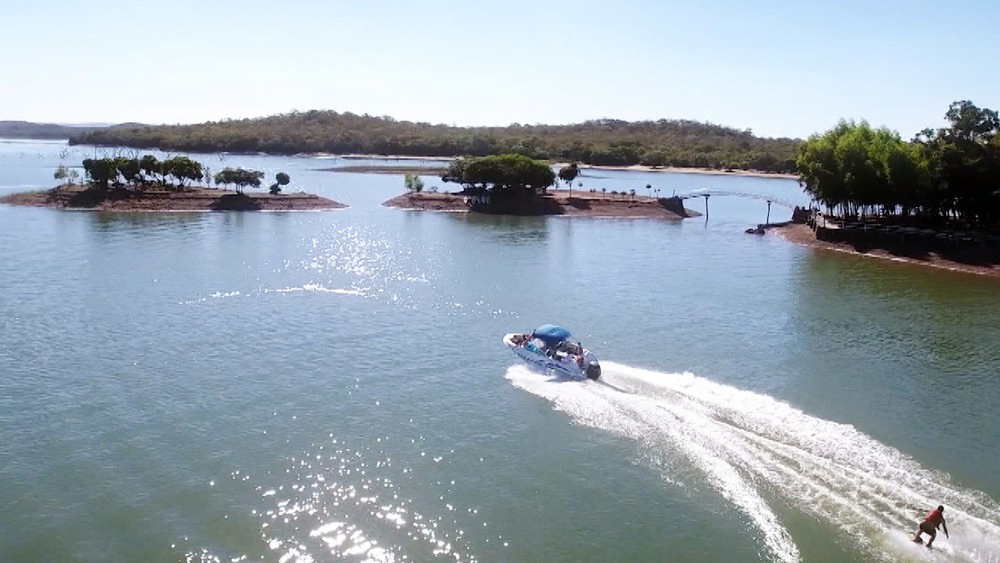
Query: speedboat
[{"x": 551, "y": 348}]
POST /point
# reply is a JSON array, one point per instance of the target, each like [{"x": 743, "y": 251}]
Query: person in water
[{"x": 933, "y": 521}]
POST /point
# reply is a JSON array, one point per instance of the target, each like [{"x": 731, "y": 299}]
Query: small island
[
  {"x": 512, "y": 184},
  {"x": 148, "y": 184}
]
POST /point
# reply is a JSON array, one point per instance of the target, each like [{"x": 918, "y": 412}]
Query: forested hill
[
  {"x": 600, "y": 142},
  {"x": 29, "y": 130}
]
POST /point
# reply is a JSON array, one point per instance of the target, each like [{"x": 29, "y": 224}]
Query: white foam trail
[
  {"x": 311, "y": 287},
  {"x": 748, "y": 445},
  {"x": 320, "y": 289}
]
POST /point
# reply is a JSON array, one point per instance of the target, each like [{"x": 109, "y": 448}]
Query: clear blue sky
[{"x": 782, "y": 68}]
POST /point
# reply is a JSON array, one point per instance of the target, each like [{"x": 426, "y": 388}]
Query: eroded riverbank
[{"x": 799, "y": 233}]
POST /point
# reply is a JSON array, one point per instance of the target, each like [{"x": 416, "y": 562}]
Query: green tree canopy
[
  {"x": 182, "y": 168},
  {"x": 965, "y": 162},
  {"x": 239, "y": 177},
  {"x": 599, "y": 141},
  {"x": 150, "y": 167},
  {"x": 951, "y": 172},
  {"x": 413, "y": 182},
  {"x": 569, "y": 173},
  {"x": 505, "y": 174},
  {"x": 280, "y": 179},
  {"x": 100, "y": 171},
  {"x": 854, "y": 166},
  {"x": 127, "y": 169}
]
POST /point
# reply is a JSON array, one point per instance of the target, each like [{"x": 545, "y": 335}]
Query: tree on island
[
  {"x": 413, "y": 183},
  {"x": 504, "y": 176},
  {"x": 568, "y": 174},
  {"x": 182, "y": 168},
  {"x": 150, "y": 168},
  {"x": 280, "y": 179},
  {"x": 239, "y": 177},
  {"x": 127, "y": 169},
  {"x": 100, "y": 171},
  {"x": 61, "y": 173}
]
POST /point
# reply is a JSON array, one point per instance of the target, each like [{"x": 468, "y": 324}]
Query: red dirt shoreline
[
  {"x": 801, "y": 234},
  {"x": 77, "y": 198},
  {"x": 553, "y": 203}
]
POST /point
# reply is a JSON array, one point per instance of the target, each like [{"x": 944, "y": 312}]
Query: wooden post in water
[
  {"x": 706, "y": 204},
  {"x": 768, "y": 220}
]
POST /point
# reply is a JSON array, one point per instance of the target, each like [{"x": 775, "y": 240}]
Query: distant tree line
[
  {"x": 598, "y": 142},
  {"x": 947, "y": 173},
  {"x": 147, "y": 171}
]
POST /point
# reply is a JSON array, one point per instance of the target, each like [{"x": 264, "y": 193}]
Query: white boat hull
[{"x": 583, "y": 366}]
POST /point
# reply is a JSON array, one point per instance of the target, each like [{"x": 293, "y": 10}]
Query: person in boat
[{"x": 932, "y": 521}]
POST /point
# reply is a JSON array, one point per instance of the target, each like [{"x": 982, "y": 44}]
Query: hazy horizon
[{"x": 782, "y": 70}]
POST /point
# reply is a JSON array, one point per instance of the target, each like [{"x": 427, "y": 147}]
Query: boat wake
[{"x": 750, "y": 446}]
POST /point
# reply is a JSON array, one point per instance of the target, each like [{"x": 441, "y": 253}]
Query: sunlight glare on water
[{"x": 331, "y": 386}]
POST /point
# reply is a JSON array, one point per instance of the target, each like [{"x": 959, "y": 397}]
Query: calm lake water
[{"x": 332, "y": 386}]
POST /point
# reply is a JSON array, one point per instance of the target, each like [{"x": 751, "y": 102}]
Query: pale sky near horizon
[{"x": 781, "y": 68}]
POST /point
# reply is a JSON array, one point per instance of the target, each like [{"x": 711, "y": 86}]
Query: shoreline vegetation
[
  {"x": 933, "y": 200},
  {"x": 946, "y": 179},
  {"x": 600, "y": 142},
  {"x": 149, "y": 184}
]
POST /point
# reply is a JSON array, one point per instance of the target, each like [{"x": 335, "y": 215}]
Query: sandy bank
[
  {"x": 558, "y": 203},
  {"x": 190, "y": 199},
  {"x": 802, "y": 234}
]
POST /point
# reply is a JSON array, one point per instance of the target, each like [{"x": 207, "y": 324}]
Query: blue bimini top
[{"x": 551, "y": 334}]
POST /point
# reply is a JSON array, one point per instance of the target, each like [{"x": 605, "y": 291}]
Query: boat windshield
[
  {"x": 534, "y": 345},
  {"x": 570, "y": 347}
]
